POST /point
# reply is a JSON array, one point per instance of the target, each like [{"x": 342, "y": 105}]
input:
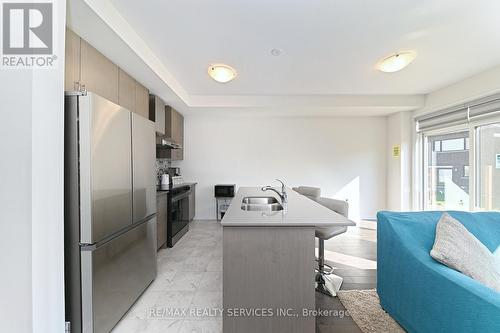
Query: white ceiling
[{"x": 330, "y": 49}]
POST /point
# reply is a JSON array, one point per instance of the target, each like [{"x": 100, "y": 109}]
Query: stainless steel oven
[{"x": 178, "y": 222}]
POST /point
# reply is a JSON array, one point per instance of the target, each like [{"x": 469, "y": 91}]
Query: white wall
[
  {"x": 31, "y": 195},
  {"x": 346, "y": 157},
  {"x": 480, "y": 85},
  {"x": 47, "y": 194},
  {"x": 15, "y": 201},
  {"x": 399, "y": 132}
]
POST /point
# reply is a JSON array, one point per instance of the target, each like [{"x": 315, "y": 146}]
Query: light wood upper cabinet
[
  {"x": 87, "y": 67},
  {"x": 126, "y": 90},
  {"x": 98, "y": 73},
  {"x": 72, "y": 61},
  {"x": 141, "y": 100}
]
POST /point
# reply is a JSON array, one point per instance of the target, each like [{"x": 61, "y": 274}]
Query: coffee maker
[
  {"x": 174, "y": 172},
  {"x": 175, "y": 176}
]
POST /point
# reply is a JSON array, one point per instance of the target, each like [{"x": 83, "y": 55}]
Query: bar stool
[
  {"x": 308, "y": 191},
  {"x": 326, "y": 282}
]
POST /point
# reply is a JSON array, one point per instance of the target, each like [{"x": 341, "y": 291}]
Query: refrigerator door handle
[
  {"x": 88, "y": 247},
  {"x": 93, "y": 246}
]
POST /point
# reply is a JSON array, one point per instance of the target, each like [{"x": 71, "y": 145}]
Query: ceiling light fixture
[
  {"x": 396, "y": 62},
  {"x": 222, "y": 73},
  {"x": 276, "y": 52}
]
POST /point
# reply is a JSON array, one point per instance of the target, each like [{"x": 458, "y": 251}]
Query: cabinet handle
[{"x": 77, "y": 86}]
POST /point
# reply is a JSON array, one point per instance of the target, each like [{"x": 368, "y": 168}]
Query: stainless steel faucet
[{"x": 282, "y": 195}]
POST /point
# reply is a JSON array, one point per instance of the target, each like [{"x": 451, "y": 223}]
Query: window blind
[
  {"x": 462, "y": 114},
  {"x": 485, "y": 109},
  {"x": 444, "y": 118}
]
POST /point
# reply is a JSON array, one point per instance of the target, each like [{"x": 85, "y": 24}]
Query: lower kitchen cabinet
[
  {"x": 192, "y": 196},
  {"x": 161, "y": 219}
]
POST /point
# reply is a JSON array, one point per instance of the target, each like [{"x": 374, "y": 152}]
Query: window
[
  {"x": 437, "y": 145},
  {"x": 444, "y": 175},
  {"x": 453, "y": 144},
  {"x": 446, "y": 181},
  {"x": 459, "y": 155},
  {"x": 488, "y": 167}
]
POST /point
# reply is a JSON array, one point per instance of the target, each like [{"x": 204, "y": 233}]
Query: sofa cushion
[{"x": 455, "y": 247}]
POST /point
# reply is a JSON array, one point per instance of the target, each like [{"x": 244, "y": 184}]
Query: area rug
[{"x": 364, "y": 307}]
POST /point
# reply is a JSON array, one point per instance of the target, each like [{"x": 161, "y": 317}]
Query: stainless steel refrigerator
[{"x": 110, "y": 210}]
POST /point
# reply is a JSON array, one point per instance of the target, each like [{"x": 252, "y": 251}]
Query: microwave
[{"x": 224, "y": 190}]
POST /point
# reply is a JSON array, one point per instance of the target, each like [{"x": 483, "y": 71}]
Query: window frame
[
  {"x": 422, "y": 154},
  {"x": 424, "y": 157}
]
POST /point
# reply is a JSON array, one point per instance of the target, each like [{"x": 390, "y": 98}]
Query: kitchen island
[{"x": 269, "y": 260}]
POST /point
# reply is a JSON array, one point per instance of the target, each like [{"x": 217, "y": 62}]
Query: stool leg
[
  {"x": 328, "y": 285},
  {"x": 321, "y": 254}
]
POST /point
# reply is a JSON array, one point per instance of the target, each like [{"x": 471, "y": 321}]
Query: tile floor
[{"x": 190, "y": 277}]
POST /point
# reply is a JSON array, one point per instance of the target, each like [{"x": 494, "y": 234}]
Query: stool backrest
[
  {"x": 308, "y": 191},
  {"x": 338, "y": 206}
]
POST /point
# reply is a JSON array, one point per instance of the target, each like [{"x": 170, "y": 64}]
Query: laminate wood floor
[{"x": 354, "y": 255}]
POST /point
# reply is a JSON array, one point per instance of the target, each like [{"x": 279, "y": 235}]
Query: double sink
[{"x": 261, "y": 204}]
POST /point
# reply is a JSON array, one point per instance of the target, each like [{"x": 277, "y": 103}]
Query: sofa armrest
[{"x": 425, "y": 296}]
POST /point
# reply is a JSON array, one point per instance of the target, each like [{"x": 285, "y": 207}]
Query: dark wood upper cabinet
[
  {"x": 174, "y": 129},
  {"x": 157, "y": 113}
]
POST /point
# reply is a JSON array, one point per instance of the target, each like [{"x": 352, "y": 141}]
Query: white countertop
[{"x": 300, "y": 211}]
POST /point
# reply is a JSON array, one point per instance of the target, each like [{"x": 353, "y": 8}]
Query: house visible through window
[
  {"x": 453, "y": 144},
  {"x": 447, "y": 177}
]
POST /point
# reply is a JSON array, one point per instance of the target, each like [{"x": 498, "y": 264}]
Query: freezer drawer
[{"x": 115, "y": 274}]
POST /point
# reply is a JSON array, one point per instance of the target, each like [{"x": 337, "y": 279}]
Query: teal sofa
[{"x": 423, "y": 295}]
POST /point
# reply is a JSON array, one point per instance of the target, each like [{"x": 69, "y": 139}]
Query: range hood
[{"x": 166, "y": 143}]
